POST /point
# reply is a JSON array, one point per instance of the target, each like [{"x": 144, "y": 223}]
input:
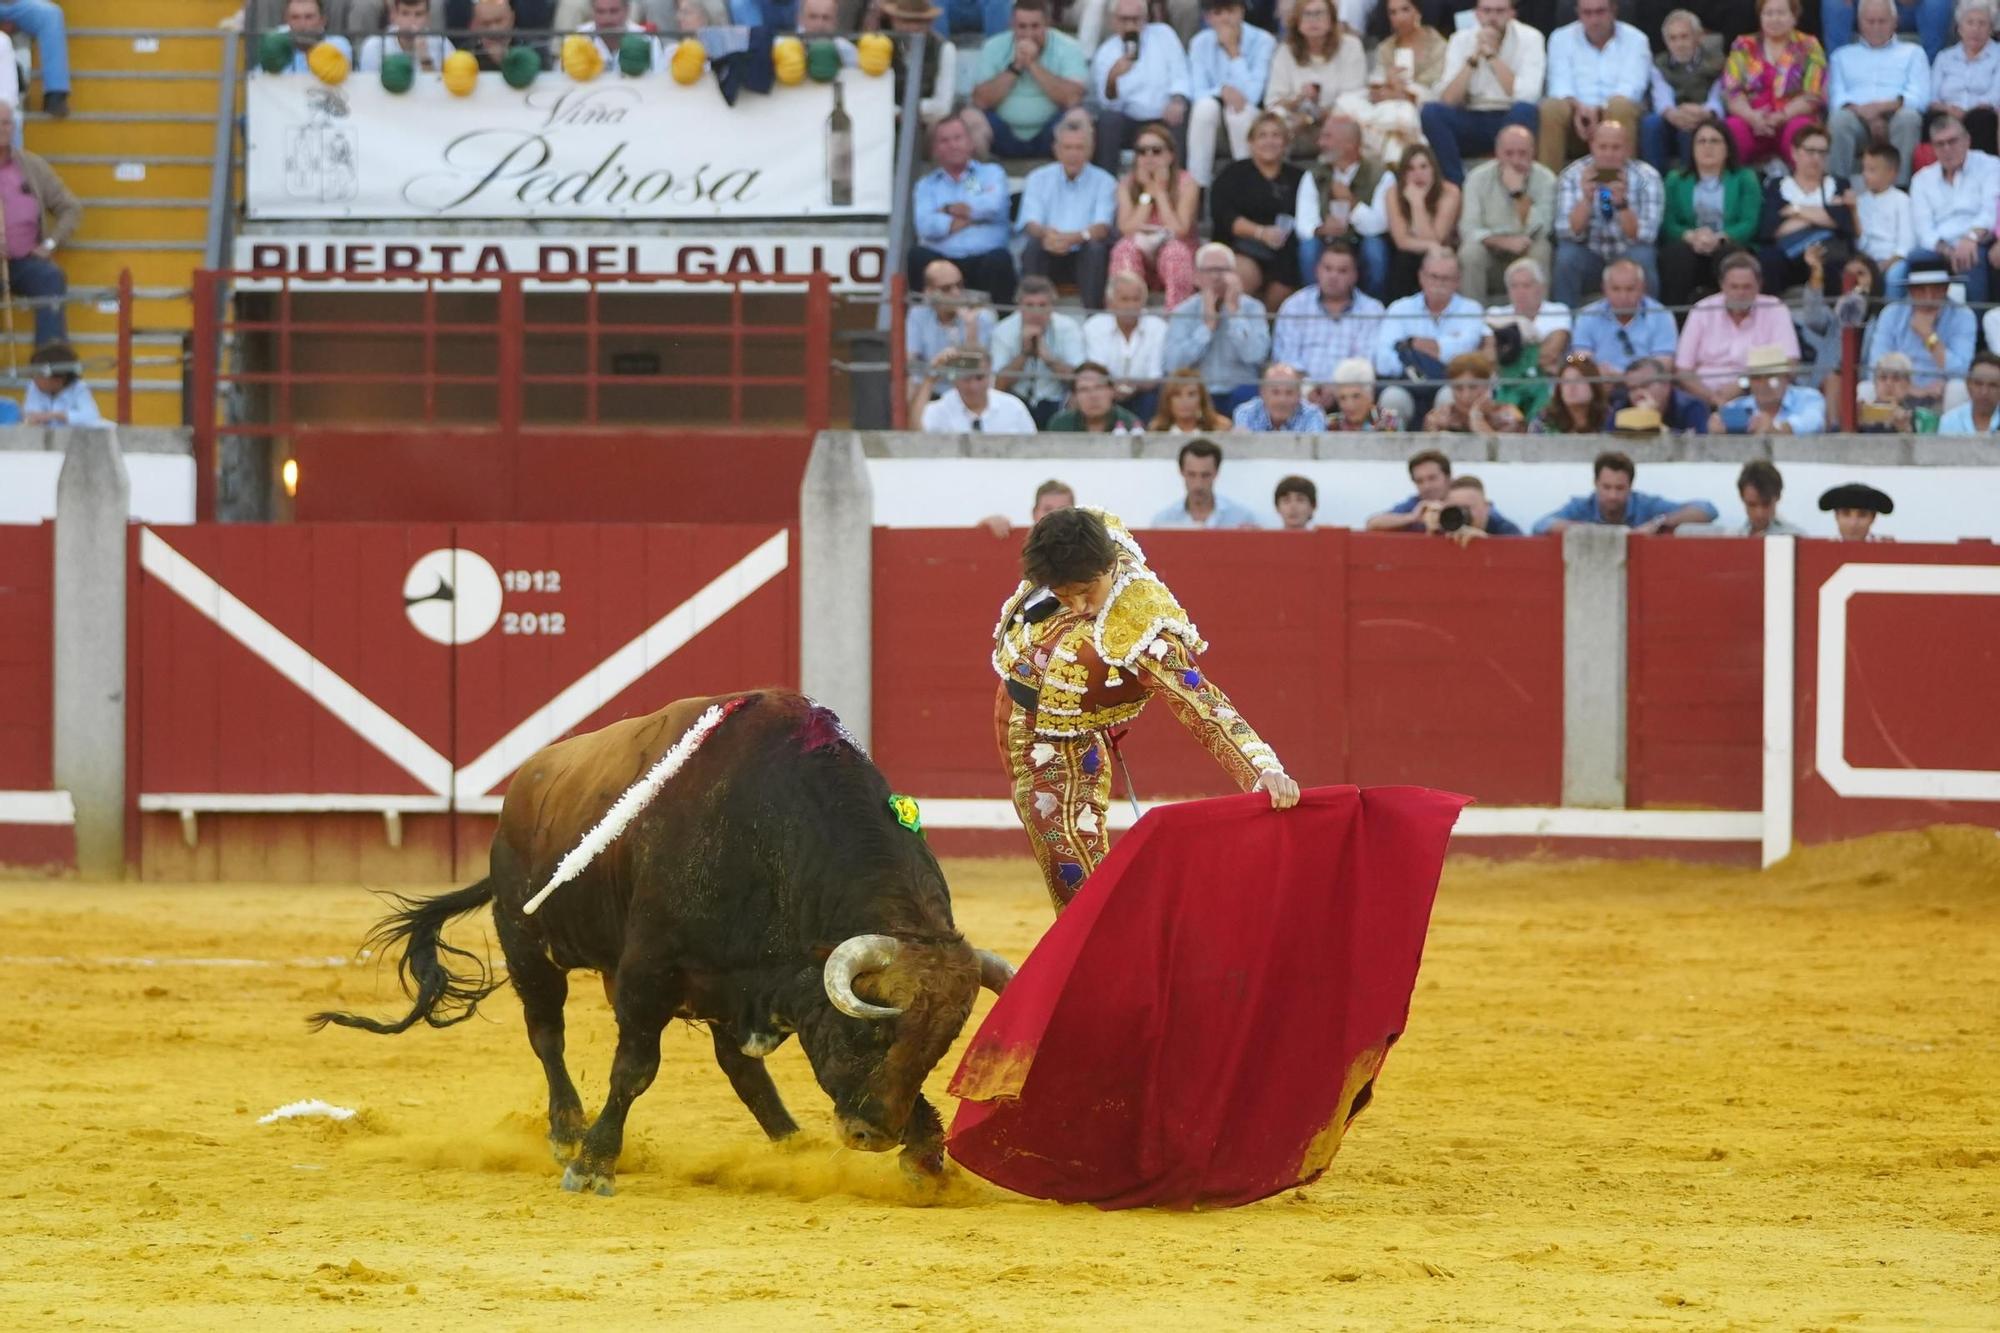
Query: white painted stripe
[
  {"x": 1830, "y": 710},
  {"x": 604, "y": 682},
  {"x": 36, "y": 807},
  {"x": 1781, "y": 556},
  {"x": 284, "y": 803},
  {"x": 1474, "y": 822},
  {"x": 324, "y": 685}
]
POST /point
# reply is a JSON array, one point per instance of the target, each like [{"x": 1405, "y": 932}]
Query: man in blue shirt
[
  {"x": 1219, "y": 330},
  {"x": 1935, "y": 332},
  {"x": 1877, "y": 88},
  {"x": 1067, "y": 208},
  {"x": 1476, "y": 517},
  {"x": 1649, "y": 382},
  {"x": 1421, "y": 334},
  {"x": 1026, "y": 78},
  {"x": 1138, "y": 76},
  {"x": 1774, "y": 405},
  {"x": 1626, "y": 324},
  {"x": 961, "y": 214},
  {"x": 1278, "y": 405},
  {"x": 1613, "y": 502},
  {"x": 1201, "y": 507},
  {"x": 305, "y": 23},
  {"x": 1430, "y": 473},
  {"x": 1229, "y": 63}
]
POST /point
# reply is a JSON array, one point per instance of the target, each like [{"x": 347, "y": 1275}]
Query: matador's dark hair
[{"x": 1067, "y": 546}]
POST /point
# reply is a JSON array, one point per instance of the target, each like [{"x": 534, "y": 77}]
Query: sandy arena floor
[{"x": 1629, "y": 1096}]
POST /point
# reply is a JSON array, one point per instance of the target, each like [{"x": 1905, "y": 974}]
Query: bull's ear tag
[{"x": 907, "y": 814}]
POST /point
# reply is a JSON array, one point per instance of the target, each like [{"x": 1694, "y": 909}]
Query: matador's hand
[{"x": 1284, "y": 791}]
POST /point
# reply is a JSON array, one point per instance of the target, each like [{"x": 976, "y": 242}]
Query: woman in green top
[
  {"x": 1092, "y": 407},
  {"x": 1712, "y": 207}
]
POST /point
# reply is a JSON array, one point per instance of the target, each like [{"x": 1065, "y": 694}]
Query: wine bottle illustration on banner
[{"x": 839, "y": 153}]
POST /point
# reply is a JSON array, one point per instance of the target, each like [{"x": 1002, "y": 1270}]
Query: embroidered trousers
[{"x": 1062, "y": 789}]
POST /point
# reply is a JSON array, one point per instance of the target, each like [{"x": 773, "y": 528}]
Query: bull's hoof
[
  {"x": 924, "y": 1165},
  {"x": 578, "y": 1179}
]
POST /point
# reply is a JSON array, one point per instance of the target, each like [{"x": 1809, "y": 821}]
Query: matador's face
[{"x": 1085, "y": 599}]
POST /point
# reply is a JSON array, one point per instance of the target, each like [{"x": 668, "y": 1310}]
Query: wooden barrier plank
[{"x": 27, "y": 661}]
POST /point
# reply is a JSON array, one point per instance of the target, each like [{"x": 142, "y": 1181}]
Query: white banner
[
  {"x": 611, "y": 148},
  {"x": 855, "y": 263}
]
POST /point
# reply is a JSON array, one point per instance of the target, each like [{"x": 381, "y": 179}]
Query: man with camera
[
  {"x": 946, "y": 321},
  {"x": 1608, "y": 208},
  {"x": 973, "y": 405},
  {"x": 1467, "y": 516},
  {"x": 1430, "y": 472}
]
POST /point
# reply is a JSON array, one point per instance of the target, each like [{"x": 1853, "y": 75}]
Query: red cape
[{"x": 1202, "y": 1023}]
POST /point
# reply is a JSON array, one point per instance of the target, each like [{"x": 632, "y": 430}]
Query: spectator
[
  {"x": 1965, "y": 79},
  {"x": 1492, "y": 77},
  {"x": 1819, "y": 330},
  {"x": 1599, "y": 70},
  {"x": 44, "y": 24},
  {"x": 945, "y": 323},
  {"x": 1092, "y": 409},
  {"x": 1477, "y": 519},
  {"x": 1228, "y": 65},
  {"x": 610, "y": 22},
  {"x": 492, "y": 24},
  {"x": 1581, "y": 403},
  {"x": 1129, "y": 344},
  {"x": 1886, "y": 404},
  {"x": 1877, "y": 90},
  {"x": 1296, "y": 501},
  {"x": 1929, "y": 19},
  {"x": 1980, "y": 413},
  {"x": 1854, "y": 507},
  {"x": 1219, "y": 331},
  {"x": 1472, "y": 409},
  {"x": 1951, "y": 201},
  {"x": 1773, "y": 84},
  {"x": 960, "y": 213},
  {"x": 989, "y": 17},
  {"x": 345, "y": 18},
  {"x": 1354, "y": 407},
  {"x": 1067, "y": 207},
  {"x": 1510, "y": 210},
  {"x": 1408, "y": 66},
  {"x": 1615, "y": 503},
  {"x": 1712, "y": 210},
  {"x": 1529, "y": 338},
  {"x": 1774, "y": 405},
  {"x": 1420, "y": 334},
  {"x": 1157, "y": 203},
  {"x": 1201, "y": 507},
  {"x": 1882, "y": 214},
  {"x": 1760, "y": 486},
  {"x": 409, "y": 32},
  {"x": 1935, "y": 332},
  {"x": 1321, "y": 326},
  {"x": 1279, "y": 404},
  {"x": 1649, "y": 382},
  {"x": 972, "y": 404},
  {"x": 1614, "y": 214},
  {"x": 305, "y": 24},
  {"x": 1687, "y": 71},
  {"x": 1806, "y": 208},
  {"x": 1050, "y": 496},
  {"x": 1186, "y": 408},
  {"x": 1141, "y": 81},
  {"x": 1626, "y": 323},
  {"x": 1423, "y": 210},
  {"x": 1721, "y": 329},
  {"x": 937, "y": 77},
  {"x": 816, "y": 18},
  {"x": 57, "y": 395},
  {"x": 1319, "y": 63},
  {"x": 42, "y": 213},
  {"x": 1027, "y": 77},
  {"x": 1344, "y": 197},
  {"x": 1036, "y": 350},
  {"x": 1430, "y": 472},
  {"x": 1251, "y": 208}
]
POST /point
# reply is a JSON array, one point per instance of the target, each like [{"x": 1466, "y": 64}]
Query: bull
[{"x": 768, "y": 889}]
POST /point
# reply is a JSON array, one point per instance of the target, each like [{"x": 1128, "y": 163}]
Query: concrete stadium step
[
  {"x": 145, "y": 219},
  {"x": 112, "y": 175},
  {"x": 118, "y": 92},
  {"x": 95, "y": 132},
  {"x": 191, "y": 52}
]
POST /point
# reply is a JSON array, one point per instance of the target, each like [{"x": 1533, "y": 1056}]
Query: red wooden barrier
[{"x": 27, "y": 647}]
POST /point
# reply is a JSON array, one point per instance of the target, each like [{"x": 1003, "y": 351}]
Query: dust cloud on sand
[{"x": 1630, "y": 1095}]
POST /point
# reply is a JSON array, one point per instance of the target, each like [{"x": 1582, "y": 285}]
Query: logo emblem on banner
[{"x": 452, "y": 595}]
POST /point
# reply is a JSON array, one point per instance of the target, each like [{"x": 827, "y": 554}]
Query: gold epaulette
[{"x": 1138, "y": 611}]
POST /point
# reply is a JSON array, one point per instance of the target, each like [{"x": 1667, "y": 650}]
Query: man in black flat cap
[{"x": 1855, "y": 505}]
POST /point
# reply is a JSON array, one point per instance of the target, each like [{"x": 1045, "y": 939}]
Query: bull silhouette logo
[
  {"x": 322, "y": 156},
  {"x": 452, "y": 595}
]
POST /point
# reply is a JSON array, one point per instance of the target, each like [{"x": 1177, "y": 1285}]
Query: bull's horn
[
  {"x": 854, "y": 958},
  {"x": 994, "y": 971}
]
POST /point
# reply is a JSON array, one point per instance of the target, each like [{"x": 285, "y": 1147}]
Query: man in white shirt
[
  {"x": 973, "y": 405},
  {"x": 1343, "y": 196},
  {"x": 1877, "y": 90},
  {"x": 1138, "y": 76},
  {"x": 1129, "y": 343},
  {"x": 1492, "y": 77},
  {"x": 1952, "y": 201},
  {"x": 1599, "y": 69},
  {"x": 609, "y": 22},
  {"x": 410, "y": 33},
  {"x": 1037, "y": 350}
]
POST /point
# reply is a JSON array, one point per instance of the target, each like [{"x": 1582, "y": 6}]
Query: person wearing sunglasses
[{"x": 973, "y": 406}]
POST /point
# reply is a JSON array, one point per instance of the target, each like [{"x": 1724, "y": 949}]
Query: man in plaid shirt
[{"x": 1607, "y": 207}]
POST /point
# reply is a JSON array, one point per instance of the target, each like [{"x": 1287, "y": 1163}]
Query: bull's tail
[{"x": 442, "y": 997}]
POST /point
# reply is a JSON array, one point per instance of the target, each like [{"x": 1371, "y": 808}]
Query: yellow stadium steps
[
  {"x": 126, "y": 132},
  {"x": 116, "y": 176},
  {"x": 94, "y": 263},
  {"x": 147, "y": 219},
  {"x": 155, "y": 14},
  {"x": 117, "y": 92},
  {"x": 164, "y": 52}
]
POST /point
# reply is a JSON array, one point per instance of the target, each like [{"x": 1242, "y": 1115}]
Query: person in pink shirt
[{"x": 1721, "y": 329}]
